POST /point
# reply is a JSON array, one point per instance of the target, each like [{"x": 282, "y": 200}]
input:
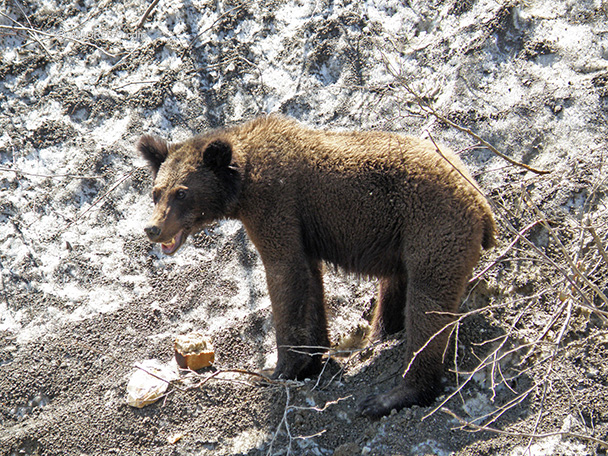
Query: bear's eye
[
  {"x": 180, "y": 194},
  {"x": 155, "y": 196}
]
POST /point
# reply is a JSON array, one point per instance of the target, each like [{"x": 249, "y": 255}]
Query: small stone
[{"x": 347, "y": 449}]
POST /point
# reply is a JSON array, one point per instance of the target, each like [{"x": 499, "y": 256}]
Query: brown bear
[{"x": 373, "y": 203}]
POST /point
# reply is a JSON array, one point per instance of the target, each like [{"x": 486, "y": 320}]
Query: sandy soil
[{"x": 84, "y": 297}]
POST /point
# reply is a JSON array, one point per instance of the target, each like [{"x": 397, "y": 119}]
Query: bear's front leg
[{"x": 296, "y": 292}]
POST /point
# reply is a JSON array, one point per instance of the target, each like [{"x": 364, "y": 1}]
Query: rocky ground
[{"x": 84, "y": 297}]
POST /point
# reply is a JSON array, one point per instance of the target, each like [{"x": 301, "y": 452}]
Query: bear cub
[{"x": 373, "y": 203}]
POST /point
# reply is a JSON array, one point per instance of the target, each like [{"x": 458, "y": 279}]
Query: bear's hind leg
[
  {"x": 429, "y": 302},
  {"x": 389, "y": 316}
]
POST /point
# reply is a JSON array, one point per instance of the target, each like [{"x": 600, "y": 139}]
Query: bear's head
[{"x": 195, "y": 183}]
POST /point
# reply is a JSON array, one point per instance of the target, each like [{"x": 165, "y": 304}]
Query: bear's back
[{"x": 276, "y": 143}]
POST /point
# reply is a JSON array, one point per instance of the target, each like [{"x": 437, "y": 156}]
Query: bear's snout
[{"x": 153, "y": 232}]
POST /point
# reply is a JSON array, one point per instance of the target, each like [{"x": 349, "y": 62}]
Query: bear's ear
[
  {"x": 154, "y": 150},
  {"x": 217, "y": 154}
]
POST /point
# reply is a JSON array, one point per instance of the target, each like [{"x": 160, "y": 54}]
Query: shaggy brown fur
[{"x": 373, "y": 203}]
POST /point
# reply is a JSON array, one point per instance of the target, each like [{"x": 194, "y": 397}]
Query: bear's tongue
[
  {"x": 169, "y": 246},
  {"x": 172, "y": 246}
]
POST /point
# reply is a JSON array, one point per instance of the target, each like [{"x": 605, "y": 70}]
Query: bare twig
[
  {"x": 135, "y": 83},
  {"x": 505, "y": 251},
  {"x": 587, "y": 302},
  {"x": 575, "y": 269},
  {"x": 541, "y": 406},
  {"x": 170, "y": 382},
  {"x": 489, "y": 359},
  {"x": 31, "y": 33},
  {"x": 30, "y": 30},
  {"x": 243, "y": 372},
  {"x": 430, "y": 110},
  {"x": 284, "y": 423},
  {"x": 147, "y": 13},
  {"x": 214, "y": 23},
  {"x": 476, "y": 428},
  {"x": 98, "y": 200},
  {"x": 598, "y": 242},
  {"x": 48, "y": 176},
  {"x": 3, "y": 285},
  {"x": 462, "y": 173},
  {"x": 325, "y": 364}
]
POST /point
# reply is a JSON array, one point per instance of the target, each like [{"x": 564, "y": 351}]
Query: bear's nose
[{"x": 153, "y": 232}]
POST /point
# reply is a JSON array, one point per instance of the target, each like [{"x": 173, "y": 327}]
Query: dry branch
[
  {"x": 577, "y": 273},
  {"x": 147, "y": 13},
  {"x": 218, "y": 20},
  {"x": 505, "y": 251},
  {"x": 426, "y": 107},
  {"x": 3, "y": 285},
  {"x": 31, "y": 31},
  {"x": 284, "y": 423},
  {"x": 158, "y": 377},
  {"x": 98, "y": 200},
  {"x": 597, "y": 240},
  {"x": 476, "y": 428},
  {"x": 48, "y": 176}
]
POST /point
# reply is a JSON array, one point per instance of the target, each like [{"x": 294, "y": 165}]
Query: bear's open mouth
[{"x": 169, "y": 248}]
